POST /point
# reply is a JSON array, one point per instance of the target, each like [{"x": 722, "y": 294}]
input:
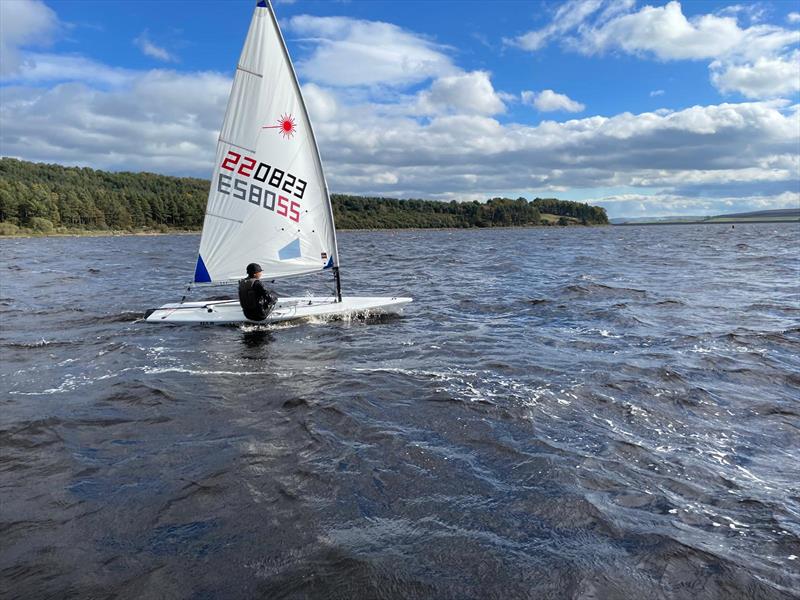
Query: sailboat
[{"x": 269, "y": 202}]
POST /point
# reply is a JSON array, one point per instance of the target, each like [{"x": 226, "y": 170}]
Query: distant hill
[
  {"x": 791, "y": 213},
  {"x": 776, "y": 215},
  {"x": 42, "y": 198},
  {"x": 670, "y": 219}
]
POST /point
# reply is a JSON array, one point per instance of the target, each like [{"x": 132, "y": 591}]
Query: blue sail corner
[
  {"x": 329, "y": 265},
  {"x": 290, "y": 250},
  {"x": 200, "y": 272},
  {"x": 262, "y": 4}
]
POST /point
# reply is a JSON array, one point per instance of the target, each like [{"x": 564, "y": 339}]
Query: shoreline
[
  {"x": 90, "y": 233},
  {"x": 100, "y": 233}
]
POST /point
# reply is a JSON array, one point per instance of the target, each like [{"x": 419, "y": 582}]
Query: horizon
[{"x": 509, "y": 100}]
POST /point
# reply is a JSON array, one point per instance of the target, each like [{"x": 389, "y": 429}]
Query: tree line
[{"x": 53, "y": 198}]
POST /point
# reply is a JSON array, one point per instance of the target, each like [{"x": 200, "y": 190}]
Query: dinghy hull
[{"x": 228, "y": 312}]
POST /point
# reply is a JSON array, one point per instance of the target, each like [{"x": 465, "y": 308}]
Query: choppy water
[{"x": 562, "y": 413}]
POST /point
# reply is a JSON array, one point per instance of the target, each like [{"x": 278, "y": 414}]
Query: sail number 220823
[{"x": 275, "y": 178}]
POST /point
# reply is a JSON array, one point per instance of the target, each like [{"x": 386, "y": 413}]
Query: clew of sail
[{"x": 268, "y": 201}]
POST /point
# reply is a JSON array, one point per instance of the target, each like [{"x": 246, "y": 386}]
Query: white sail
[{"x": 268, "y": 201}]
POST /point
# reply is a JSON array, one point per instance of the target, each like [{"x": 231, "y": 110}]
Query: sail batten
[
  {"x": 269, "y": 201},
  {"x": 235, "y": 146},
  {"x": 241, "y": 68}
]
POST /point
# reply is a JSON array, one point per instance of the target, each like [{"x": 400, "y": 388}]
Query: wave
[
  {"x": 123, "y": 317},
  {"x": 602, "y": 290},
  {"x": 670, "y": 302},
  {"x": 39, "y": 344}
]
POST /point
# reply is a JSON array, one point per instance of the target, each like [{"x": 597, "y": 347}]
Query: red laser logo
[{"x": 286, "y": 126}]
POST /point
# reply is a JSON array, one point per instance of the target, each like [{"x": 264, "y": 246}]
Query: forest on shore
[{"x": 50, "y": 199}]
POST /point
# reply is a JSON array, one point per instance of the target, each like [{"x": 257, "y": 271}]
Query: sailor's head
[{"x": 254, "y": 270}]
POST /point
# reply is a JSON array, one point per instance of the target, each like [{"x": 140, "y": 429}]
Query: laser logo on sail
[{"x": 286, "y": 126}]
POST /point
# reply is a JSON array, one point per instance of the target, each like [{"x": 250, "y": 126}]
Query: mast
[{"x": 338, "y": 284}]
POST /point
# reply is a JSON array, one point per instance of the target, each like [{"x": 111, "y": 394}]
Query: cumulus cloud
[
  {"x": 321, "y": 103},
  {"x": 549, "y": 101},
  {"x": 793, "y": 17},
  {"x": 461, "y": 156},
  {"x": 470, "y": 93},
  {"x": 741, "y": 57},
  {"x": 40, "y": 68},
  {"x": 23, "y": 23},
  {"x": 159, "y": 121},
  {"x": 766, "y": 77},
  {"x": 150, "y": 49},
  {"x": 667, "y": 34},
  {"x": 352, "y": 52},
  {"x": 665, "y": 205}
]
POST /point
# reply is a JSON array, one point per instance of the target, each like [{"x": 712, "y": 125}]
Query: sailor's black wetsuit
[{"x": 256, "y": 300}]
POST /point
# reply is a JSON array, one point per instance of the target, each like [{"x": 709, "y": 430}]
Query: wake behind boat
[{"x": 269, "y": 201}]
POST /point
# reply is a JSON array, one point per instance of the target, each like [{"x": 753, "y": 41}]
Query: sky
[{"x": 646, "y": 109}]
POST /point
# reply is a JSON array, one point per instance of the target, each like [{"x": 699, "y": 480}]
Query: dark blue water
[{"x": 562, "y": 413}]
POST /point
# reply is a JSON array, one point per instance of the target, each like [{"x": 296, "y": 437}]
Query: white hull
[{"x": 223, "y": 312}]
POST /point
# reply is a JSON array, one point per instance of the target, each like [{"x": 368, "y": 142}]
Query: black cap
[{"x": 253, "y": 268}]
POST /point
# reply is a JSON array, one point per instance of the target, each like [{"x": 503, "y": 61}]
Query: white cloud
[
  {"x": 754, "y": 12},
  {"x": 460, "y": 156},
  {"x": 765, "y": 78},
  {"x": 749, "y": 54},
  {"x": 655, "y": 93},
  {"x": 150, "y": 49},
  {"x": 23, "y": 23},
  {"x": 567, "y": 17},
  {"x": 668, "y": 34},
  {"x": 39, "y": 68},
  {"x": 470, "y": 93},
  {"x": 385, "y": 178},
  {"x": 793, "y": 17},
  {"x": 549, "y": 101},
  {"x": 159, "y": 121},
  {"x": 352, "y": 52},
  {"x": 665, "y": 205},
  {"x": 321, "y": 103}
]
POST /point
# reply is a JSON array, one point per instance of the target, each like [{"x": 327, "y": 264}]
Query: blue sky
[{"x": 645, "y": 108}]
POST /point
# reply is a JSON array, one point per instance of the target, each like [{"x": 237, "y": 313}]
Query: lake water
[{"x": 561, "y": 413}]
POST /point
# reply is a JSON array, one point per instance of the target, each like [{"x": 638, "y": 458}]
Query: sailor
[{"x": 256, "y": 300}]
